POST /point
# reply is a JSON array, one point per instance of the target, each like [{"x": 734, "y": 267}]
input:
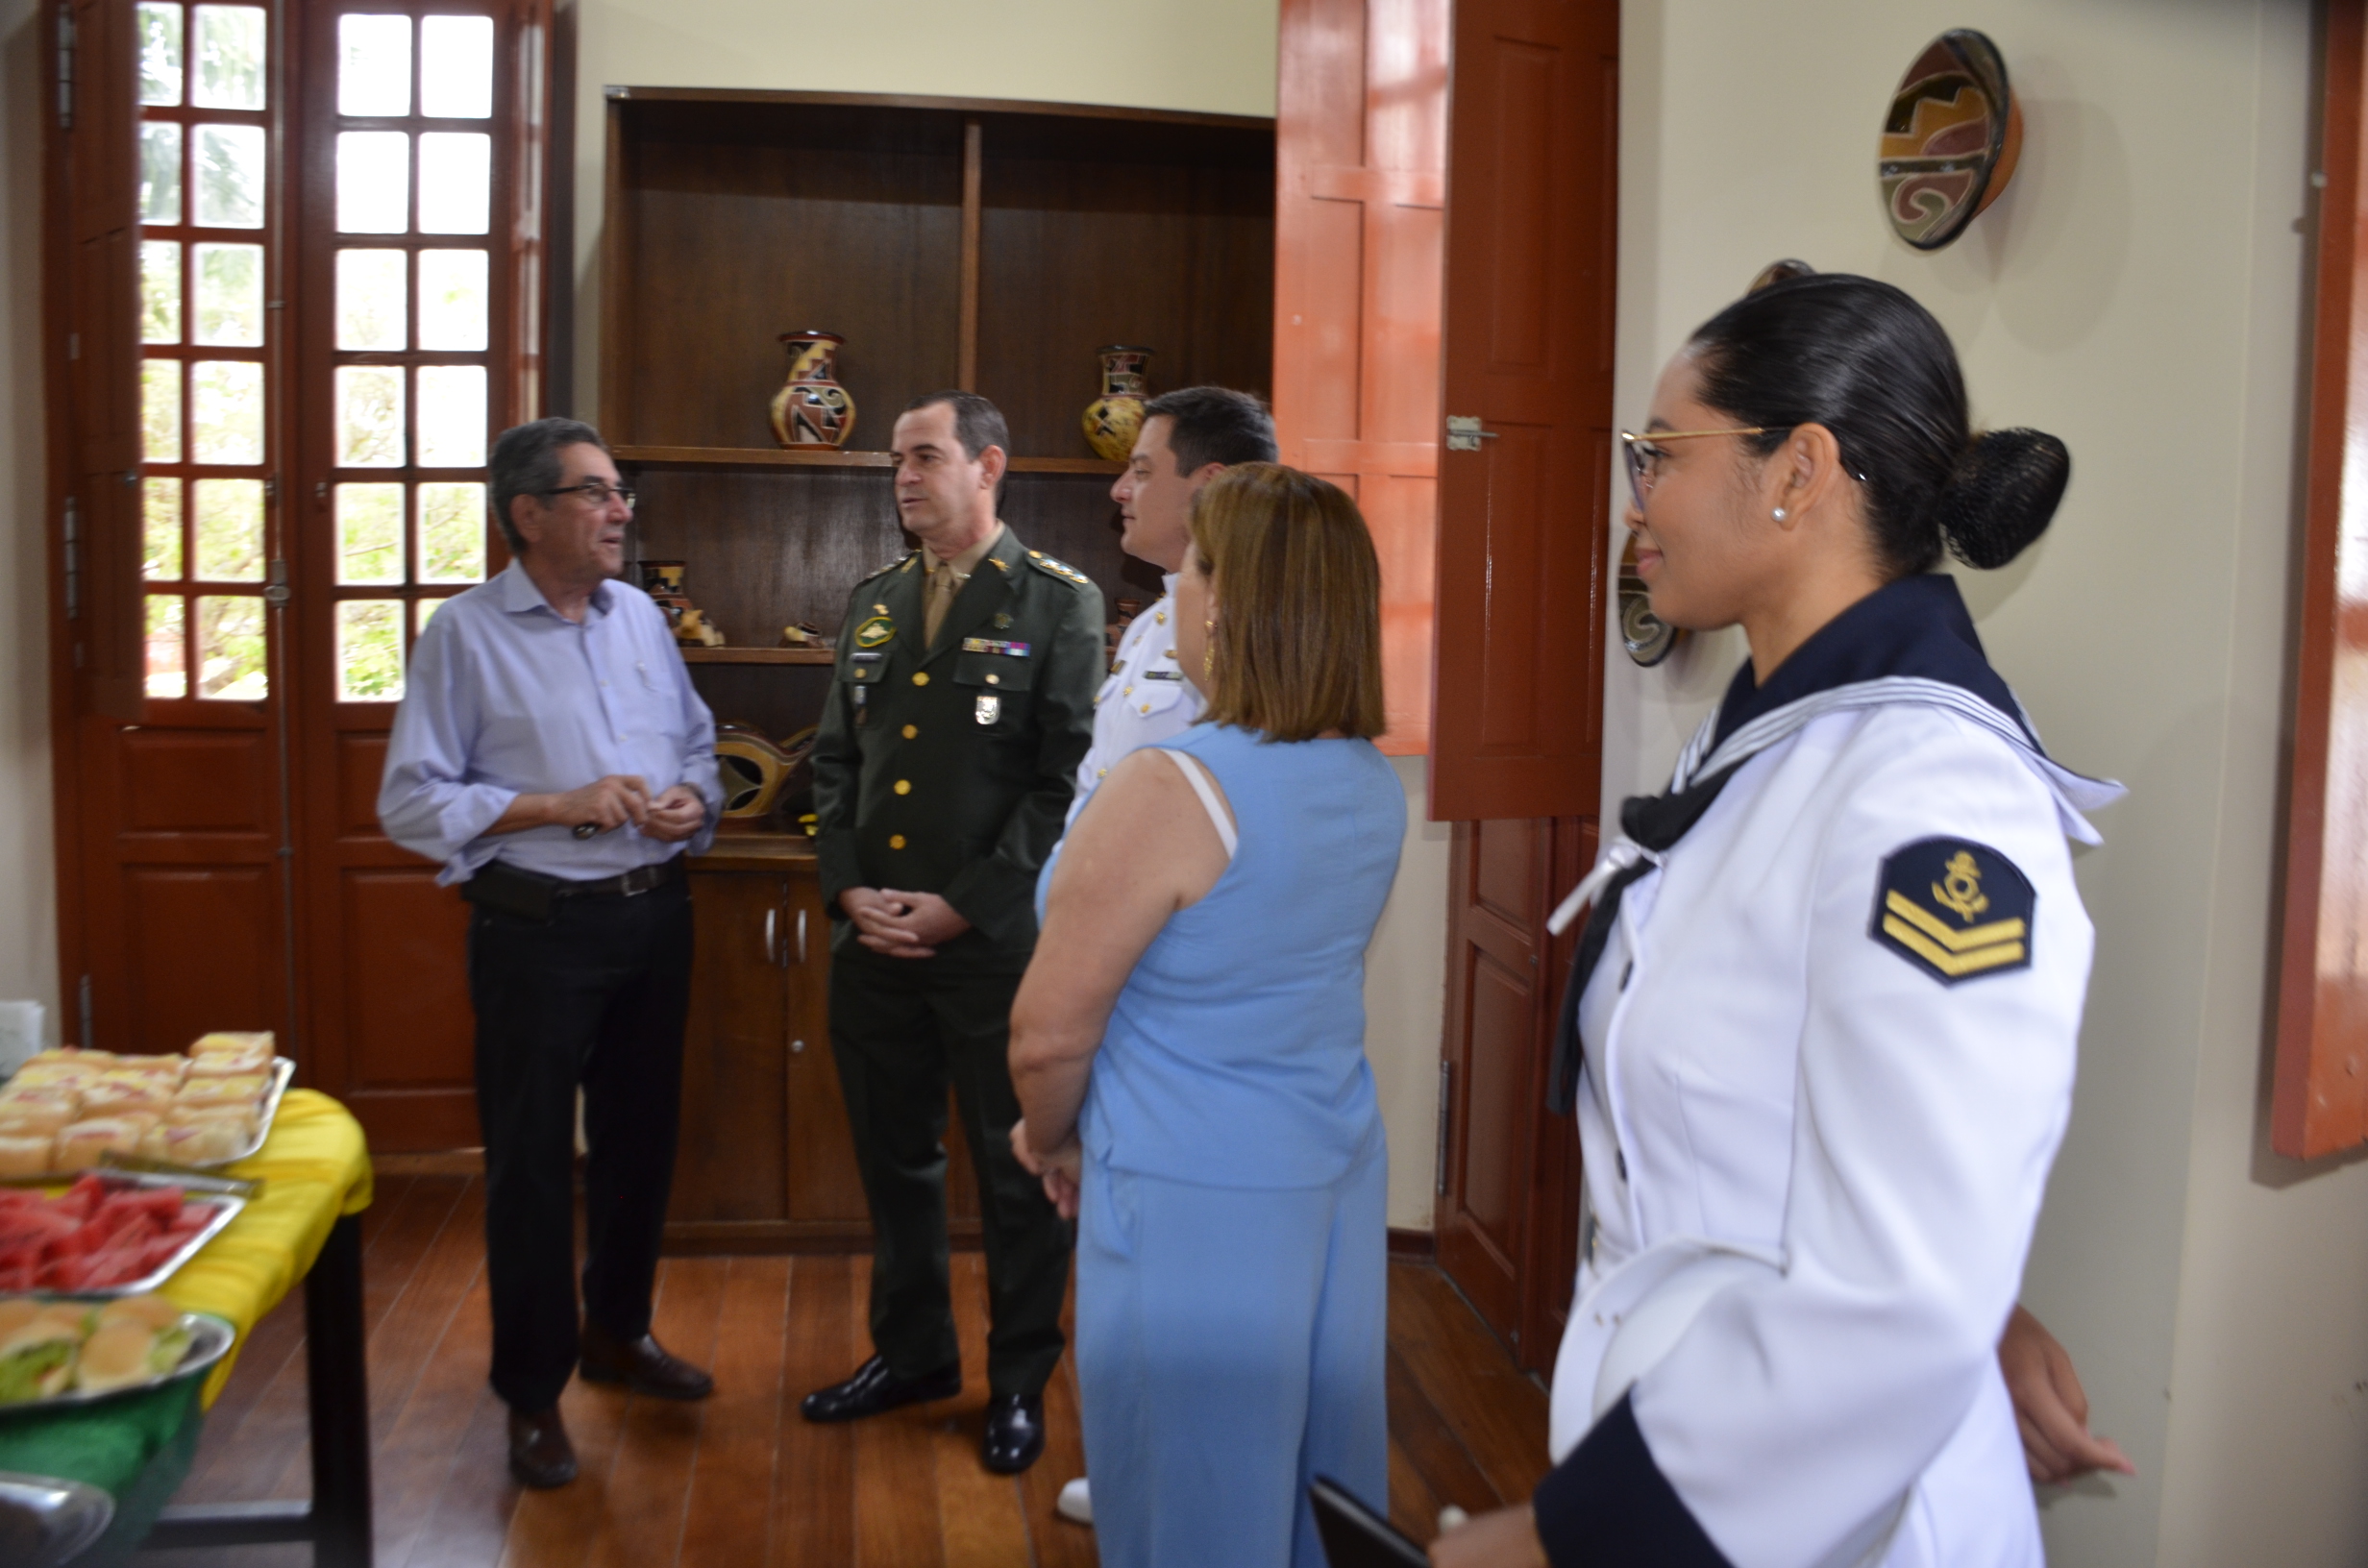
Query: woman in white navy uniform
[{"x": 1821, "y": 1026}]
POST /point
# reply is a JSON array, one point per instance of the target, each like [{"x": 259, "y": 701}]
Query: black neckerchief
[{"x": 1914, "y": 630}]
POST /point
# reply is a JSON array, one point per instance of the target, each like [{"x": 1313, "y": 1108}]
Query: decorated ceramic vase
[
  {"x": 1113, "y": 419},
  {"x": 812, "y": 410}
]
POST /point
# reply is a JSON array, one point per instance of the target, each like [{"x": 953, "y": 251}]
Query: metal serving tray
[
  {"x": 225, "y": 1205},
  {"x": 210, "y": 1338}
]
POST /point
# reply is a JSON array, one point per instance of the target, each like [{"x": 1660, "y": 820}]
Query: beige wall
[
  {"x": 2138, "y": 292},
  {"x": 28, "y": 875}
]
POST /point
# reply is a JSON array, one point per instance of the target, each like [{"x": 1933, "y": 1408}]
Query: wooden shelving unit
[
  {"x": 756, "y": 655},
  {"x": 825, "y": 458}
]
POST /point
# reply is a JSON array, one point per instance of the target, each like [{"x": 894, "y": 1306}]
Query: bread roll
[
  {"x": 80, "y": 1145},
  {"x": 243, "y": 1089},
  {"x": 25, "y": 1154},
  {"x": 197, "y": 1144},
  {"x": 214, "y": 1044},
  {"x": 34, "y": 1118},
  {"x": 231, "y": 1065},
  {"x": 150, "y": 1310}
]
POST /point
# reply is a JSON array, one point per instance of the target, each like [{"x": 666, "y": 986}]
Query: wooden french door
[
  {"x": 1525, "y": 498},
  {"x": 332, "y": 235}
]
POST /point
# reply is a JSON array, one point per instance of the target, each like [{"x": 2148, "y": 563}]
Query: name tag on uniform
[
  {"x": 867, "y": 658},
  {"x": 988, "y": 645},
  {"x": 1163, "y": 674}
]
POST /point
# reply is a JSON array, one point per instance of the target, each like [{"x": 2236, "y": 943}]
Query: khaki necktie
[{"x": 943, "y": 583}]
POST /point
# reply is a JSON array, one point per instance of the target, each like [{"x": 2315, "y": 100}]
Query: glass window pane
[
  {"x": 370, "y": 651},
  {"x": 456, "y": 68},
  {"x": 159, "y": 533},
  {"x": 160, "y": 410},
  {"x": 167, "y": 672},
  {"x": 452, "y": 532},
  {"x": 452, "y": 299},
  {"x": 231, "y": 664},
  {"x": 230, "y": 57},
  {"x": 423, "y": 610},
  {"x": 229, "y": 172},
  {"x": 374, "y": 181},
  {"x": 230, "y": 530},
  {"x": 160, "y": 54},
  {"x": 369, "y": 534},
  {"x": 455, "y": 194},
  {"x": 230, "y": 294},
  {"x": 374, "y": 64},
  {"x": 159, "y": 291},
  {"x": 369, "y": 416},
  {"x": 452, "y": 416},
  {"x": 370, "y": 302},
  {"x": 160, "y": 171},
  {"x": 226, "y": 411}
]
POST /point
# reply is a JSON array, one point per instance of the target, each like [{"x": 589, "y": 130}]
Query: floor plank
[
  {"x": 730, "y": 1511},
  {"x": 896, "y": 1522},
  {"x": 650, "y": 1483},
  {"x": 979, "y": 1514},
  {"x": 814, "y": 1492},
  {"x": 414, "y": 1461},
  {"x": 1488, "y": 1405}
]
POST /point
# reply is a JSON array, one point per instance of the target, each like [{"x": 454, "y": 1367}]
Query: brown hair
[{"x": 1296, "y": 648}]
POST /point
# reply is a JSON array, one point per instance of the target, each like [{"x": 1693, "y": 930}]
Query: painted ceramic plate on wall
[{"x": 1950, "y": 141}]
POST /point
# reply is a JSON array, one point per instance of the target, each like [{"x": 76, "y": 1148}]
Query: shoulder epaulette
[
  {"x": 902, "y": 561},
  {"x": 1060, "y": 569}
]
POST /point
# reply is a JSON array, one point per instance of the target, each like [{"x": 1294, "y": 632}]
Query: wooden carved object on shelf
[
  {"x": 1949, "y": 140},
  {"x": 663, "y": 582},
  {"x": 1113, "y": 419},
  {"x": 812, "y": 410}
]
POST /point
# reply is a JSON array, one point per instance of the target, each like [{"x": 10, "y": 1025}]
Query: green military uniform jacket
[{"x": 949, "y": 769}]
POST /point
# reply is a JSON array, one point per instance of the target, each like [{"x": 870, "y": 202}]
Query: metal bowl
[{"x": 45, "y": 1521}]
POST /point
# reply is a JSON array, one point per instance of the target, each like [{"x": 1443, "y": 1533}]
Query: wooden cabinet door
[
  {"x": 824, "y": 1188},
  {"x": 731, "y": 1166}
]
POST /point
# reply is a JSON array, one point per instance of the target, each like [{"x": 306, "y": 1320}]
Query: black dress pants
[
  {"x": 596, "y": 998},
  {"x": 901, "y": 1029}
]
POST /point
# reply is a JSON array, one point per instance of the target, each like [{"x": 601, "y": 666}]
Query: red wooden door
[
  {"x": 177, "y": 844},
  {"x": 413, "y": 347},
  {"x": 1524, "y": 495},
  {"x": 1360, "y": 135}
]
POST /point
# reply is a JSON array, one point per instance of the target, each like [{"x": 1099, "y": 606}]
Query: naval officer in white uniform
[
  {"x": 1821, "y": 1025},
  {"x": 1189, "y": 437}
]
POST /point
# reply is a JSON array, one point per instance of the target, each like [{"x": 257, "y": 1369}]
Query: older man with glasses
[{"x": 550, "y": 753}]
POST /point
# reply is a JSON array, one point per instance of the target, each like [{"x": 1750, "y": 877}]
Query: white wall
[
  {"x": 2137, "y": 292},
  {"x": 27, "y": 870}
]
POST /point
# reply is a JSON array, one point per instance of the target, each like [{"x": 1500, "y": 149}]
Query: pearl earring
[{"x": 1778, "y": 514}]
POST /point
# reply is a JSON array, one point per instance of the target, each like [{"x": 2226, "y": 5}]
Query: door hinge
[
  {"x": 1465, "y": 434},
  {"x": 1447, "y": 1121},
  {"x": 73, "y": 563},
  {"x": 275, "y": 588},
  {"x": 65, "y": 64}
]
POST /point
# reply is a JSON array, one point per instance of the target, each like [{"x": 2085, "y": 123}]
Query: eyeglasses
[
  {"x": 1646, "y": 456},
  {"x": 595, "y": 492}
]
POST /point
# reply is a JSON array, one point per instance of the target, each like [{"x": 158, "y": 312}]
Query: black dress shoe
[
  {"x": 642, "y": 1365},
  {"x": 540, "y": 1456},
  {"x": 1015, "y": 1433},
  {"x": 875, "y": 1388}
]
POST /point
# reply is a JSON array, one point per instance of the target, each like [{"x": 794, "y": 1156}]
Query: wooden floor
[{"x": 740, "y": 1479}]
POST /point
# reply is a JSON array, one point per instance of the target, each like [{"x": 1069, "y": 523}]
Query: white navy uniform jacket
[
  {"x": 1144, "y": 700},
  {"x": 1832, "y": 1028}
]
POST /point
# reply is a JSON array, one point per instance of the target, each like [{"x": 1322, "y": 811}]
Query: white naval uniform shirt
[
  {"x": 1764, "y": 1073},
  {"x": 1146, "y": 699}
]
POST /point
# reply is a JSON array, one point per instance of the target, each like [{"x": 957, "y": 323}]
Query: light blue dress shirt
[{"x": 506, "y": 696}]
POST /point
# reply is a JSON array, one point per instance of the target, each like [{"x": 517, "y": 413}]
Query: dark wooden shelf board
[
  {"x": 759, "y": 656},
  {"x": 958, "y": 106},
  {"x": 828, "y": 458}
]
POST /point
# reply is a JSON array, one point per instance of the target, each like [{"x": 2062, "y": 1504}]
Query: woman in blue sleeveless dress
[{"x": 1188, "y": 1048}]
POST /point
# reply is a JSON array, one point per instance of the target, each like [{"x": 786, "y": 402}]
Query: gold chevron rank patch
[{"x": 1955, "y": 909}]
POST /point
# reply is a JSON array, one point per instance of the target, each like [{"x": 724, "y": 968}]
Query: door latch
[{"x": 1465, "y": 434}]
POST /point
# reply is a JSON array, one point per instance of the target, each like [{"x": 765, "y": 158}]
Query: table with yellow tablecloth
[{"x": 315, "y": 1170}]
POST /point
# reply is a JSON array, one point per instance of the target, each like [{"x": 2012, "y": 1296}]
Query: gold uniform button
[
  {"x": 880, "y": 609},
  {"x": 1147, "y": 707},
  {"x": 904, "y": 786},
  {"x": 911, "y": 731},
  {"x": 921, "y": 677},
  {"x": 1102, "y": 772},
  {"x": 1172, "y": 652},
  {"x": 1035, "y": 554},
  {"x": 896, "y": 840},
  {"x": 994, "y": 680},
  {"x": 1159, "y": 616}
]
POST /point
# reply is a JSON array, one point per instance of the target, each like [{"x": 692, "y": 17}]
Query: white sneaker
[{"x": 1076, "y": 1503}]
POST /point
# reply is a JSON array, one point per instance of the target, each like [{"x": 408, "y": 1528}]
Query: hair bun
[{"x": 2002, "y": 495}]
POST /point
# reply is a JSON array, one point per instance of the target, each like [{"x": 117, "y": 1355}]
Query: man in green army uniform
[{"x": 948, "y": 747}]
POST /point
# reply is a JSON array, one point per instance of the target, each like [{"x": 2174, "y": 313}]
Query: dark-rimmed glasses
[
  {"x": 1644, "y": 454},
  {"x": 594, "y": 491}
]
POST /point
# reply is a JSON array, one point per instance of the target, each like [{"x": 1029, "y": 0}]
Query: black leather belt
[{"x": 533, "y": 897}]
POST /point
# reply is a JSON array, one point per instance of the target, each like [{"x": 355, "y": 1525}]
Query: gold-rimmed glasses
[{"x": 1644, "y": 454}]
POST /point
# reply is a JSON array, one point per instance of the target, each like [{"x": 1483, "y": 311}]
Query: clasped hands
[
  {"x": 607, "y": 803},
  {"x": 901, "y": 925},
  {"x": 1057, "y": 1170}
]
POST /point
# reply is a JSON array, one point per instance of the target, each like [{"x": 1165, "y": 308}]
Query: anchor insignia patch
[{"x": 1955, "y": 909}]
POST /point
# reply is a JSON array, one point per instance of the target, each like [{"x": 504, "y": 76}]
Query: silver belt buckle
[{"x": 638, "y": 881}]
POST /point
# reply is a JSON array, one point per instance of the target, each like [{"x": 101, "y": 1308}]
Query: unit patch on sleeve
[{"x": 1955, "y": 909}]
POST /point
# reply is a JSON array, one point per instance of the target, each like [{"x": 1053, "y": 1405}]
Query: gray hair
[{"x": 525, "y": 463}]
